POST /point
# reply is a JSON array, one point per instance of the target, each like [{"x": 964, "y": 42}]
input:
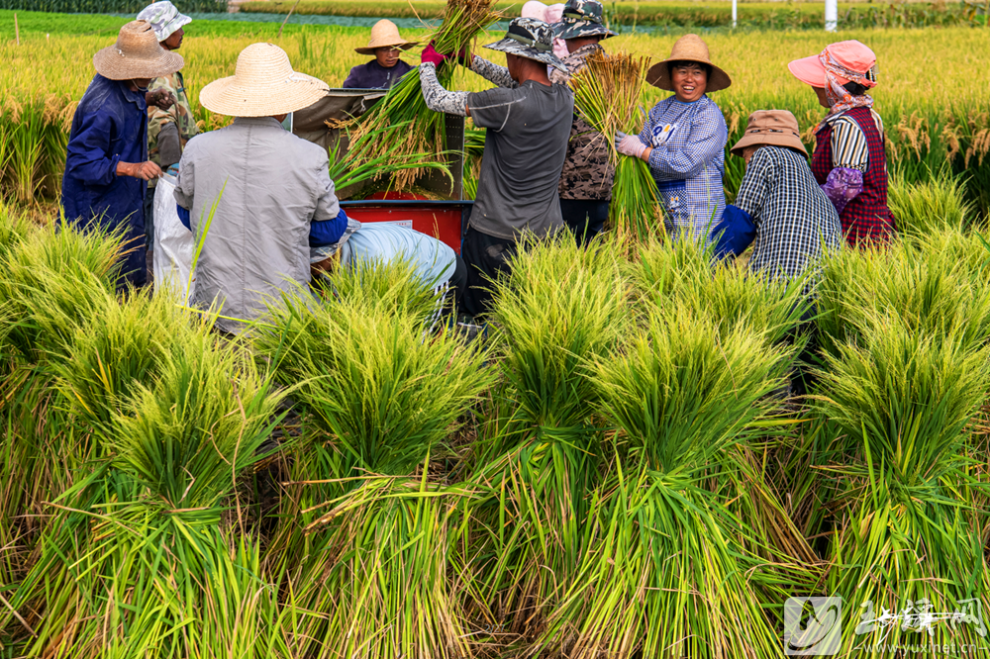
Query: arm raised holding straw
[{"x": 528, "y": 120}]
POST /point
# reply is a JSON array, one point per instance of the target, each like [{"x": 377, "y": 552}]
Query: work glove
[
  {"x": 431, "y": 56},
  {"x": 173, "y": 170},
  {"x": 629, "y": 145}
]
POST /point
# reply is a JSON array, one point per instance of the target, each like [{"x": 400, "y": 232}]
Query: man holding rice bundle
[
  {"x": 257, "y": 223},
  {"x": 107, "y": 165},
  {"x": 586, "y": 181},
  {"x": 528, "y": 118},
  {"x": 170, "y": 117}
]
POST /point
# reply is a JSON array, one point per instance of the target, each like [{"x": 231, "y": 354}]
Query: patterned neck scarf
[{"x": 838, "y": 97}]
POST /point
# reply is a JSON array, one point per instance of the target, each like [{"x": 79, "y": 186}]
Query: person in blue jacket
[{"x": 107, "y": 166}]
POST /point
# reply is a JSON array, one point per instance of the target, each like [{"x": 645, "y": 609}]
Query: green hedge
[{"x": 108, "y": 6}]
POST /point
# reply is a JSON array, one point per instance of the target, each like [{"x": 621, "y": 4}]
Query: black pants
[
  {"x": 585, "y": 217},
  {"x": 485, "y": 257},
  {"x": 457, "y": 286}
]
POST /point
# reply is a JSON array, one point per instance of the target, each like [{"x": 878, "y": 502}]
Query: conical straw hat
[
  {"x": 263, "y": 85},
  {"x": 385, "y": 34},
  {"x": 136, "y": 55},
  {"x": 689, "y": 48}
]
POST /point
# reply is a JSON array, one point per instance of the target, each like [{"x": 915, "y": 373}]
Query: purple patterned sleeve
[{"x": 842, "y": 186}]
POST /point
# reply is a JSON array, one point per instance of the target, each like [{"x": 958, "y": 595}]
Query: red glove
[{"x": 431, "y": 56}]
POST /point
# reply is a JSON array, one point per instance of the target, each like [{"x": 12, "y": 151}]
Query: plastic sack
[{"x": 173, "y": 244}]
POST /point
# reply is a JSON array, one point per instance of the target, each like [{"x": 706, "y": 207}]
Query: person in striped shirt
[{"x": 849, "y": 161}]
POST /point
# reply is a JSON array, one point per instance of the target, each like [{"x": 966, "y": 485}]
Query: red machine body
[{"x": 441, "y": 219}]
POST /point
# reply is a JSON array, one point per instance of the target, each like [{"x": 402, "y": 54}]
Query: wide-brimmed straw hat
[
  {"x": 263, "y": 85},
  {"x": 852, "y": 55},
  {"x": 136, "y": 55},
  {"x": 384, "y": 34},
  {"x": 164, "y": 18},
  {"x": 689, "y": 48},
  {"x": 771, "y": 127},
  {"x": 582, "y": 18},
  {"x": 532, "y": 39}
]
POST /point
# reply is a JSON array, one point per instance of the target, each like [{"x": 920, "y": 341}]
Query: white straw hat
[
  {"x": 263, "y": 85},
  {"x": 136, "y": 55},
  {"x": 385, "y": 34}
]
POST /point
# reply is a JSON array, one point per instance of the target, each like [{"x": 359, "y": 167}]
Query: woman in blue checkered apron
[{"x": 684, "y": 139}]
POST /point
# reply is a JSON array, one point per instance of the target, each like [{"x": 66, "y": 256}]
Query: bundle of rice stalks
[
  {"x": 560, "y": 308},
  {"x": 607, "y": 94},
  {"x": 127, "y": 562},
  {"x": 931, "y": 206},
  {"x": 676, "y": 574},
  {"x": 909, "y": 557},
  {"x": 670, "y": 274},
  {"x": 404, "y": 104},
  {"x": 366, "y": 554},
  {"x": 362, "y": 163},
  {"x": 936, "y": 293}
]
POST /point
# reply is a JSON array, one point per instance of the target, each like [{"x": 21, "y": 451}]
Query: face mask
[{"x": 287, "y": 122}]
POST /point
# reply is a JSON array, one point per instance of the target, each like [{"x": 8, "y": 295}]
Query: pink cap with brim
[{"x": 852, "y": 55}]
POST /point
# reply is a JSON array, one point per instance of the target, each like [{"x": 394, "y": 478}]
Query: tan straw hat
[
  {"x": 264, "y": 85},
  {"x": 384, "y": 34},
  {"x": 136, "y": 55},
  {"x": 773, "y": 128},
  {"x": 689, "y": 48}
]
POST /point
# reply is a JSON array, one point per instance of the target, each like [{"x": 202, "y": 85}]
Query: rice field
[
  {"x": 934, "y": 103},
  {"x": 621, "y": 468}
]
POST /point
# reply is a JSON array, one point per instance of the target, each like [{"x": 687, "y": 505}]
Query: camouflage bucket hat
[
  {"x": 164, "y": 19},
  {"x": 532, "y": 39},
  {"x": 582, "y": 18}
]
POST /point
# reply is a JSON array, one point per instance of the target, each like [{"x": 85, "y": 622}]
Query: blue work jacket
[{"x": 110, "y": 126}]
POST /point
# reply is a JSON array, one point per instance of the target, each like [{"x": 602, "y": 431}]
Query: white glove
[{"x": 629, "y": 145}]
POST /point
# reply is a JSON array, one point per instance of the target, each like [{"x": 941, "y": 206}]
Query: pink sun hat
[{"x": 851, "y": 55}]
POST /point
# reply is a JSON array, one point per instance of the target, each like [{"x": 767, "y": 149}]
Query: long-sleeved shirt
[
  {"x": 269, "y": 187},
  {"x": 110, "y": 126},
  {"x": 179, "y": 116},
  {"x": 794, "y": 219},
  {"x": 688, "y": 162},
  {"x": 375, "y": 76}
]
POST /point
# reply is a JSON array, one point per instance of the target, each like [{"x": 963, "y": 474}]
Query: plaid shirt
[
  {"x": 793, "y": 217},
  {"x": 688, "y": 161}
]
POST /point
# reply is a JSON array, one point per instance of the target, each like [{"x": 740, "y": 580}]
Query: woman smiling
[{"x": 684, "y": 139}]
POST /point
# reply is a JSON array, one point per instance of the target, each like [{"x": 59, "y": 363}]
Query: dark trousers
[
  {"x": 585, "y": 217},
  {"x": 457, "y": 286},
  {"x": 149, "y": 218},
  {"x": 486, "y": 257}
]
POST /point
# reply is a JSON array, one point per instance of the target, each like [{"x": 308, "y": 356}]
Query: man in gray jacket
[{"x": 261, "y": 195}]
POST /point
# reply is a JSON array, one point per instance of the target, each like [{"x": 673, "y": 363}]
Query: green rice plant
[
  {"x": 606, "y": 94},
  {"x": 559, "y": 308},
  {"x": 669, "y": 274},
  {"x": 122, "y": 566},
  {"x": 673, "y": 567},
  {"x": 360, "y": 164},
  {"x": 404, "y": 103},
  {"x": 930, "y": 206},
  {"x": 912, "y": 531},
  {"x": 937, "y": 294},
  {"x": 385, "y": 393},
  {"x": 392, "y": 286},
  {"x": 27, "y": 151},
  {"x": 366, "y": 553}
]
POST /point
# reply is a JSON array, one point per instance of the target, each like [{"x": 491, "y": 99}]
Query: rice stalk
[
  {"x": 607, "y": 93},
  {"x": 404, "y": 103}
]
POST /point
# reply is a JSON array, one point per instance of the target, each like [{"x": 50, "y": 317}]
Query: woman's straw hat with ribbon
[
  {"x": 384, "y": 34},
  {"x": 263, "y": 85},
  {"x": 137, "y": 55},
  {"x": 689, "y": 48},
  {"x": 773, "y": 128}
]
